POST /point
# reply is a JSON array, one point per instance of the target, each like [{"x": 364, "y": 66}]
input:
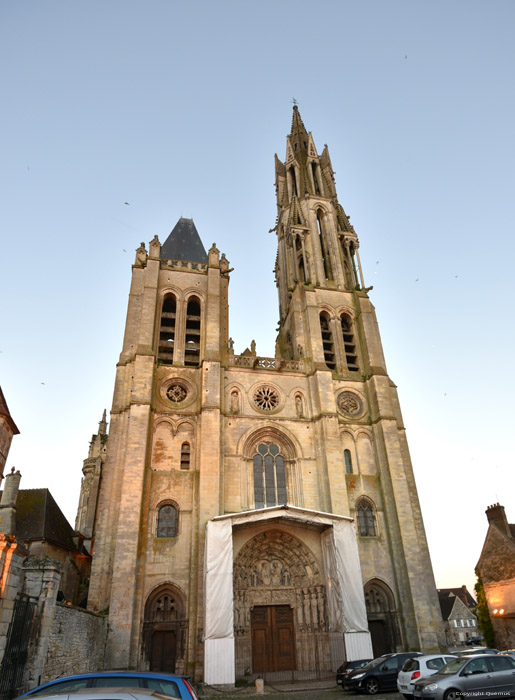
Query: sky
[{"x": 120, "y": 117}]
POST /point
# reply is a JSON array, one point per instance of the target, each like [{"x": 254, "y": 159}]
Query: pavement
[{"x": 313, "y": 691}]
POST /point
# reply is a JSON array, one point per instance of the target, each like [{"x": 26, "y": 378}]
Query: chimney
[
  {"x": 8, "y": 503},
  {"x": 496, "y": 515}
]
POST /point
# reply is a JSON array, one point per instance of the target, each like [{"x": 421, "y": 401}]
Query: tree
[{"x": 483, "y": 616}]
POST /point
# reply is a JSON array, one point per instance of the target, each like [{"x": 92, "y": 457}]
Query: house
[
  {"x": 496, "y": 570},
  {"x": 460, "y": 623}
]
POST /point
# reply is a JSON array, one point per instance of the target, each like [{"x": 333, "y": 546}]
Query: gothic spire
[{"x": 299, "y": 136}]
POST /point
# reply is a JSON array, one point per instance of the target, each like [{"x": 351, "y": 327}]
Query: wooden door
[
  {"x": 378, "y": 636},
  {"x": 273, "y": 641},
  {"x": 164, "y": 644}
]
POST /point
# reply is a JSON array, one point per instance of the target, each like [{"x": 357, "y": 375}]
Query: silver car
[
  {"x": 418, "y": 668},
  {"x": 475, "y": 677}
]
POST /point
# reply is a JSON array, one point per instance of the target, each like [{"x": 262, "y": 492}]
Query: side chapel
[{"x": 257, "y": 514}]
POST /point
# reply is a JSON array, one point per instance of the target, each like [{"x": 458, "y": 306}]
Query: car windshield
[
  {"x": 375, "y": 662},
  {"x": 453, "y": 667}
]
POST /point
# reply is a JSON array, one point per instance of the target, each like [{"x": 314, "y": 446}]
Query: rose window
[
  {"x": 176, "y": 393},
  {"x": 349, "y": 403},
  {"x": 266, "y": 398}
]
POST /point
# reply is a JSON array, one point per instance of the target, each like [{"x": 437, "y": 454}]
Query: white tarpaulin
[
  {"x": 218, "y": 581},
  {"x": 346, "y": 604}
]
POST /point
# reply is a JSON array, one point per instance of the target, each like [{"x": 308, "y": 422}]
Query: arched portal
[
  {"x": 280, "y": 619},
  {"x": 382, "y": 617},
  {"x": 164, "y": 629}
]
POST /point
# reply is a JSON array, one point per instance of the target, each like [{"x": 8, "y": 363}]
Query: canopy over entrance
[{"x": 345, "y": 611}]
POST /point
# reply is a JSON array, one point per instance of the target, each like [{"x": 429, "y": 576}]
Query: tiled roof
[
  {"x": 184, "y": 243},
  {"x": 38, "y": 517}
]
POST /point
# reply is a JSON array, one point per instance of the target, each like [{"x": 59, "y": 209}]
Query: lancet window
[
  {"x": 167, "y": 330},
  {"x": 269, "y": 476},
  {"x": 327, "y": 341},
  {"x": 314, "y": 174},
  {"x": 348, "y": 461},
  {"x": 293, "y": 182},
  {"x": 167, "y": 521},
  {"x": 192, "y": 337},
  {"x": 323, "y": 246},
  {"x": 349, "y": 343},
  {"x": 366, "y": 519},
  {"x": 185, "y": 455}
]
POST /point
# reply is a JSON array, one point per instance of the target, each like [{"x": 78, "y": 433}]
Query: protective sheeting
[
  {"x": 346, "y": 603},
  {"x": 358, "y": 645},
  {"x": 349, "y": 574},
  {"x": 218, "y": 581},
  {"x": 219, "y": 661}
]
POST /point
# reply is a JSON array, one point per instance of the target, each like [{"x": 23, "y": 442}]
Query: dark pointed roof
[
  {"x": 4, "y": 411},
  {"x": 184, "y": 243},
  {"x": 38, "y": 517},
  {"x": 299, "y": 136}
]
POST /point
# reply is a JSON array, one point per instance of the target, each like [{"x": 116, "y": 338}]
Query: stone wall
[{"x": 76, "y": 642}]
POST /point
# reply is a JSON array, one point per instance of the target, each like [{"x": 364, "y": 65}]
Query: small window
[
  {"x": 167, "y": 521},
  {"x": 327, "y": 341},
  {"x": 349, "y": 343},
  {"x": 348, "y": 461},
  {"x": 185, "y": 455},
  {"x": 366, "y": 520}
]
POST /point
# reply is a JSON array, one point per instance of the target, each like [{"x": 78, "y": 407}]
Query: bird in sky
[{"x": 127, "y": 203}]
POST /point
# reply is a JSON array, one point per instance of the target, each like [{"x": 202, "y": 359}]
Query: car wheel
[
  {"x": 372, "y": 686},
  {"x": 452, "y": 694}
]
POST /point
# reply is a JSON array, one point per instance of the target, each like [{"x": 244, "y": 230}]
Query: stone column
[
  {"x": 42, "y": 580},
  {"x": 12, "y": 555}
]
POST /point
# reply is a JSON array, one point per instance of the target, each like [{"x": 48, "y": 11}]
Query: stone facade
[
  {"x": 496, "y": 568},
  {"x": 199, "y": 432}
]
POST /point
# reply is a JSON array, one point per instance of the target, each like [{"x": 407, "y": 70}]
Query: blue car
[{"x": 164, "y": 683}]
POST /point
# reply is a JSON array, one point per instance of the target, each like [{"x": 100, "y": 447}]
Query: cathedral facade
[{"x": 251, "y": 513}]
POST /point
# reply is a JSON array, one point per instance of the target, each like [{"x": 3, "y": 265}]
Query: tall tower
[{"x": 253, "y": 504}]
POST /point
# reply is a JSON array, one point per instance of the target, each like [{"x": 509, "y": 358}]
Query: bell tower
[{"x": 317, "y": 261}]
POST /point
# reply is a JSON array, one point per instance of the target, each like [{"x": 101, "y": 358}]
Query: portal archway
[
  {"x": 382, "y": 617},
  {"x": 280, "y": 604},
  {"x": 164, "y": 629}
]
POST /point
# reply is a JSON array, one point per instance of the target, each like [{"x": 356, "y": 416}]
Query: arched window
[
  {"x": 269, "y": 476},
  {"x": 366, "y": 519},
  {"x": 327, "y": 341},
  {"x": 314, "y": 173},
  {"x": 167, "y": 521},
  {"x": 293, "y": 181},
  {"x": 300, "y": 260},
  {"x": 348, "y": 461},
  {"x": 185, "y": 455},
  {"x": 323, "y": 248},
  {"x": 349, "y": 343},
  {"x": 167, "y": 330},
  {"x": 192, "y": 344}
]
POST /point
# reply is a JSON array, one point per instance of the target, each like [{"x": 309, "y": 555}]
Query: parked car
[
  {"x": 349, "y": 666},
  {"x": 164, "y": 683},
  {"x": 111, "y": 694},
  {"x": 474, "y": 676},
  {"x": 477, "y": 650},
  {"x": 472, "y": 641},
  {"x": 379, "y": 674},
  {"x": 417, "y": 668},
  {"x": 509, "y": 652}
]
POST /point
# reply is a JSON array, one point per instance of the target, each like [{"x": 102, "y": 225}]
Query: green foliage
[{"x": 483, "y": 616}]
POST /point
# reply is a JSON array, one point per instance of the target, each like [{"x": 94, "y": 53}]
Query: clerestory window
[{"x": 269, "y": 476}]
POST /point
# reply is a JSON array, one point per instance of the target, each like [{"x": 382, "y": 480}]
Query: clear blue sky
[{"x": 177, "y": 108}]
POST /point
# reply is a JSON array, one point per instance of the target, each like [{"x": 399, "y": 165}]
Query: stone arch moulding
[
  {"x": 270, "y": 431},
  {"x": 340, "y": 575},
  {"x": 164, "y": 616},
  {"x": 341, "y": 310},
  {"x": 167, "y": 291},
  {"x": 382, "y": 616}
]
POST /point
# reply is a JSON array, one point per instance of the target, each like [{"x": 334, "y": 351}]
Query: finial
[{"x": 295, "y": 103}]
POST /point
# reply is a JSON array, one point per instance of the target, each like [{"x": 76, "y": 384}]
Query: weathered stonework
[{"x": 193, "y": 423}]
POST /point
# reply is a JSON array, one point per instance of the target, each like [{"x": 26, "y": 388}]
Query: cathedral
[{"x": 248, "y": 514}]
